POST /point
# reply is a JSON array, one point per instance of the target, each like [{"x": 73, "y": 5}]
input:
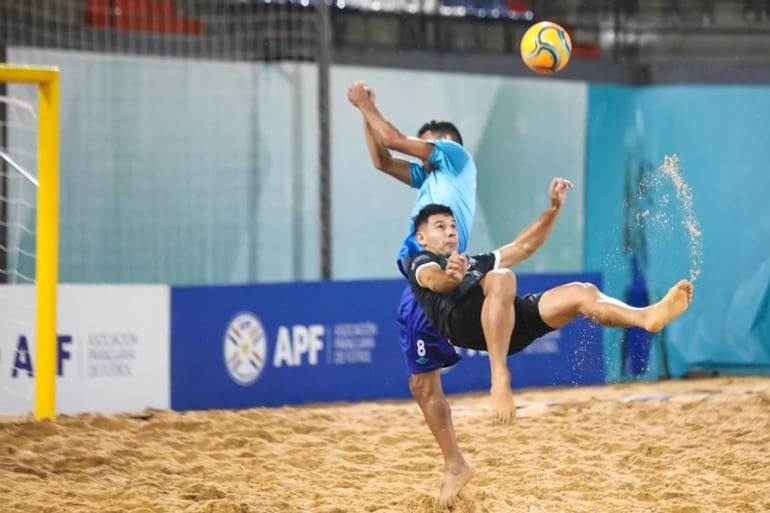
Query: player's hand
[
  {"x": 456, "y": 265},
  {"x": 358, "y": 93},
  {"x": 558, "y": 191}
]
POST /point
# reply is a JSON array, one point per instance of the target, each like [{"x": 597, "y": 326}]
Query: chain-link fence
[{"x": 174, "y": 117}]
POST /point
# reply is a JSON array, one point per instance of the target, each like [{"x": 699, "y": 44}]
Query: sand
[{"x": 699, "y": 446}]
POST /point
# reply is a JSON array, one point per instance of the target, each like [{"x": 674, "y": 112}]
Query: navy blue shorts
[{"x": 425, "y": 348}]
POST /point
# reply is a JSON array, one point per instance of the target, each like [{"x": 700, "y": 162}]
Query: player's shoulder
[
  {"x": 424, "y": 256},
  {"x": 421, "y": 258},
  {"x": 448, "y": 145},
  {"x": 450, "y": 151}
]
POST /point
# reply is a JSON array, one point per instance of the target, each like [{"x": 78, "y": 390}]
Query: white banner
[{"x": 113, "y": 348}]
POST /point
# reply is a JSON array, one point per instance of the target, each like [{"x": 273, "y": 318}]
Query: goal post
[{"x": 47, "y": 228}]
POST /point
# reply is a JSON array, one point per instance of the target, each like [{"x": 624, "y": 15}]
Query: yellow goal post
[{"x": 47, "y": 228}]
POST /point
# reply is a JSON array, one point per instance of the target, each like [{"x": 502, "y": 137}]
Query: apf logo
[{"x": 245, "y": 348}]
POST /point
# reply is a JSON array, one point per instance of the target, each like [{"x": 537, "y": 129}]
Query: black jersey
[{"x": 438, "y": 307}]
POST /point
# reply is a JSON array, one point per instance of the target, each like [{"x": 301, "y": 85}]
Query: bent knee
[
  {"x": 589, "y": 289},
  {"x": 500, "y": 281},
  {"x": 582, "y": 293}
]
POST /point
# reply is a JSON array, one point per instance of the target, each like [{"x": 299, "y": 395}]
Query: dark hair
[
  {"x": 430, "y": 210},
  {"x": 441, "y": 128}
]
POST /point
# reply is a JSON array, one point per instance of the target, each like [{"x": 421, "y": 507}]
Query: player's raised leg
[
  {"x": 427, "y": 391},
  {"x": 562, "y": 304},
  {"x": 498, "y": 318}
]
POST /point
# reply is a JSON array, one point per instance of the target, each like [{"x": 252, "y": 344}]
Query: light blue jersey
[{"x": 451, "y": 182}]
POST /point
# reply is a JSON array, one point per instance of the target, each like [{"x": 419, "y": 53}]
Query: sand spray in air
[
  {"x": 669, "y": 174},
  {"x": 670, "y": 168}
]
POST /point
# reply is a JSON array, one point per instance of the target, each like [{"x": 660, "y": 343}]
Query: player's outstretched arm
[
  {"x": 384, "y": 132},
  {"x": 533, "y": 236},
  {"x": 384, "y": 161}
]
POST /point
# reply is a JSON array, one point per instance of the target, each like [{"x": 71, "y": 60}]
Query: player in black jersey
[{"x": 473, "y": 301}]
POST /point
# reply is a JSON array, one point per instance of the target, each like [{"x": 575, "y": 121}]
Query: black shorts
[{"x": 465, "y": 322}]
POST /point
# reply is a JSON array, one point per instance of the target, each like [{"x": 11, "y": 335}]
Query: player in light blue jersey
[
  {"x": 445, "y": 174},
  {"x": 452, "y": 178}
]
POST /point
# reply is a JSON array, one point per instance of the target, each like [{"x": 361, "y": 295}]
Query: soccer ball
[{"x": 546, "y": 47}]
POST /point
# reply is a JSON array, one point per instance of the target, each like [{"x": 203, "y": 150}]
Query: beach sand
[{"x": 684, "y": 446}]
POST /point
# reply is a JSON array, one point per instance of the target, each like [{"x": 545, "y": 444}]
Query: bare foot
[
  {"x": 673, "y": 305},
  {"x": 452, "y": 484},
  {"x": 503, "y": 407}
]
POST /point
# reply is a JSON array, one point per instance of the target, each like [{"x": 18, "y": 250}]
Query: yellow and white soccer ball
[{"x": 546, "y": 47}]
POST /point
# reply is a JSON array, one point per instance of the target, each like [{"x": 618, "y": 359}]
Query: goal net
[
  {"x": 28, "y": 238},
  {"x": 18, "y": 185}
]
